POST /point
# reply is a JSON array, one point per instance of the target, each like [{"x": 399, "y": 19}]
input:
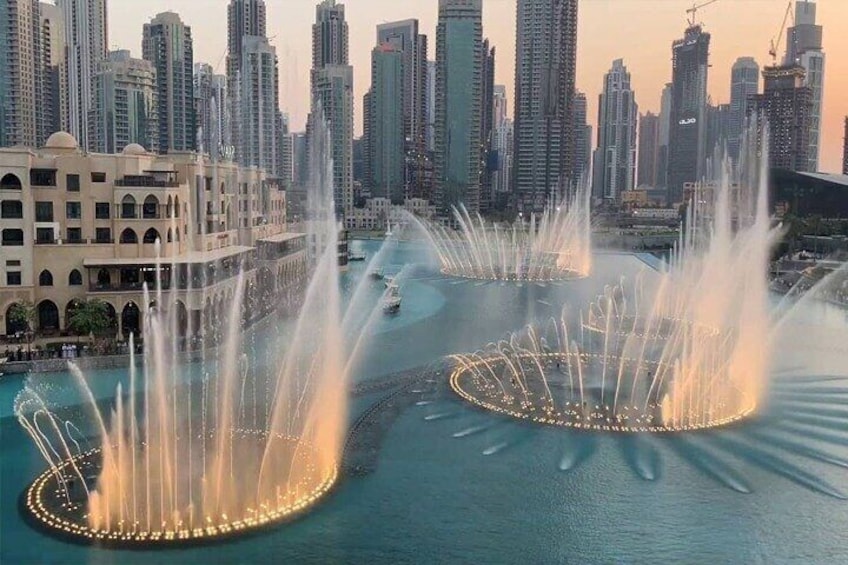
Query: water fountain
[
  {"x": 554, "y": 246},
  {"x": 691, "y": 354},
  {"x": 169, "y": 461}
]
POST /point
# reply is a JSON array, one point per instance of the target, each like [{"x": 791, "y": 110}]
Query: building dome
[
  {"x": 134, "y": 149},
  {"x": 61, "y": 140}
]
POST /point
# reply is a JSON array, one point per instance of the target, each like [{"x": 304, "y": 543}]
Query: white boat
[
  {"x": 392, "y": 299},
  {"x": 356, "y": 256},
  {"x": 376, "y": 274},
  {"x": 390, "y": 280}
]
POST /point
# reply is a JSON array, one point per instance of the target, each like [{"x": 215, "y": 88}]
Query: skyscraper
[
  {"x": 502, "y": 147},
  {"x": 285, "y": 153},
  {"x": 260, "y": 103},
  {"x": 804, "y": 48},
  {"x": 87, "y": 41},
  {"x": 845, "y": 149},
  {"x": 54, "y": 100},
  {"x": 744, "y": 83},
  {"x": 167, "y": 44},
  {"x": 385, "y": 144},
  {"x": 211, "y": 102},
  {"x": 718, "y": 126},
  {"x": 649, "y": 149},
  {"x": 546, "y": 59},
  {"x": 459, "y": 73},
  {"x": 615, "y": 157},
  {"x": 20, "y": 73},
  {"x": 664, "y": 135},
  {"x": 786, "y": 103},
  {"x": 244, "y": 18},
  {"x": 332, "y": 93},
  {"x": 404, "y": 37},
  {"x": 582, "y": 138},
  {"x": 687, "y": 149},
  {"x": 431, "y": 106},
  {"x": 126, "y": 110},
  {"x": 487, "y": 166}
]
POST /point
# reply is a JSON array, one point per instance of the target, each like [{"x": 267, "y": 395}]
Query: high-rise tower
[
  {"x": 744, "y": 83},
  {"x": 385, "y": 136},
  {"x": 332, "y": 95},
  {"x": 260, "y": 103},
  {"x": 126, "y": 109},
  {"x": 786, "y": 103},
  {"x": 168, "y": 45},
  {"x": 615, "y": 157},
  {"x": 649, "y": 149},
  {"x": 804, "y": 48},
  {"x": 459, "y": 73},
  {"x": 687, "y": 149},
  {"x": 20, "y": 73},
  {"x": 87, "y": 40},
  {"x": 545, "y": 66}
]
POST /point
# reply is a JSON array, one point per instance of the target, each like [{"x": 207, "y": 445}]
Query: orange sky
[{"x": 640, "y": 31}]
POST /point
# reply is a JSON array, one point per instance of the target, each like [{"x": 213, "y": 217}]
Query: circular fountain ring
[
  {"x": 560, "y": 275},
  {"x": 45, "y": 505},
  {"x": 591, "y": 416}
]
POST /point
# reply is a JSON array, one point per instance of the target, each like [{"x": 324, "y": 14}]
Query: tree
[
  {"x": 24, "y": 314},
  {"x": 90, "y": 317}
]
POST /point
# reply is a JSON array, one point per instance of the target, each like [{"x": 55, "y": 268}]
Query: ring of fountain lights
[
  {"x": 44, "y": 501},
  {"x": 634, "y": 326},
  {"x": 468, "y": 386},
  {"x": 556, "y": 275}
]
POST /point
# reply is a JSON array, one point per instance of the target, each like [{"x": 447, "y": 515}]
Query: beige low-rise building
[{"x": 76, "y": 226}]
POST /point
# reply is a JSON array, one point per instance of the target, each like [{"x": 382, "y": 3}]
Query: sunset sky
[{"x": 640, "y": 31}]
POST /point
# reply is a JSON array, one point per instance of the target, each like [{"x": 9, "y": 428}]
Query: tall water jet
[
  {"x": 553, "y": 246},
  {"x": 172, "y": 461},
  {"x": 691, "y": 354}
]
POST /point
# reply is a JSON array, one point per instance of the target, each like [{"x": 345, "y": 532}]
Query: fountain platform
[
  {"x": 545, "y": 389},
  {"x": 56, "y": 502}
]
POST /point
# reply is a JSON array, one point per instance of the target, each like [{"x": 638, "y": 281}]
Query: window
[
  {"x": 72, "y": 182},
  {"x": 101, "y": 210},
  {"x": 43, "y": 211},
  {"x": 45, "y": 278},
  {"x": 98, "y": 177},
  {"x": 13, "y": 237},
  {"x": 103, "y": 235},
  {"x": 13, "y": 263},
  {"x": 13, "y": 278},
  {"x": 75, "y": 278},
  {"x": 11, "y": 209},
  {"x": 74, "y": 235},
  {"x": 128, "y": 236},
  {"x": 151, "y": 235},
  {"x": 44, "y": 235},
  {"x": 10, "y": 182},
  {"x": 128, "y": 207},
  {"x": 150, "y": 208},
  {"x": 42, "y": 177},
  {"x": 73, "y": 210}
]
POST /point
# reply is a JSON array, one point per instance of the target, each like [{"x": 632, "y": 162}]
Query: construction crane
[
  {"x": 775, "y": 42},
  {"x": 694, "y": 10}
]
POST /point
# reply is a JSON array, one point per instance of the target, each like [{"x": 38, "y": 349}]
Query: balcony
[{"x": 144, "y": 181}]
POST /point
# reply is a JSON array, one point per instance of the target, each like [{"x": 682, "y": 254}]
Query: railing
[{"x": 143, "y": 182}]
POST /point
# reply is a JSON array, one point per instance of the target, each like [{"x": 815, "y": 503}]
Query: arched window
[
  {"x": 131, "y": 319},
  {"x": 12, "y": 209},
  {"x": 128, "y": 208},
  {"x": 150, "y": 208},
  {"x": 45, "y": 278},
  {"x": 14, "y": 325},
  {"x": 129, "y": 236},
  {"x": 150, "y": 236},
  {"x": 176, "y": 206},
  {"x": 10, "y": 182},
  {"x": 48, "y": 316},
  {"x": 75, "y": 278},
  {"x": 169, "y": 207},
  {"x": 13, "y": 237},
  {"x": 170, "y": 236}
]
